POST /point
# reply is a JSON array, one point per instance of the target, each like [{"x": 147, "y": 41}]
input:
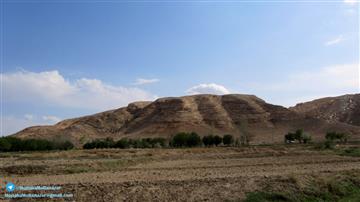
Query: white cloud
[
  {"x": 210, "y": 88},
  {"x": 307, "y": 85},
  {"x": 51, "y": 88},
  {"x": 29, "y": 117},
  {"x": 141, "y": 81},
  {"x": 51, "y": 119},
  {"x": 335, "y": 41},
  {"x": 350, "y": 2}
]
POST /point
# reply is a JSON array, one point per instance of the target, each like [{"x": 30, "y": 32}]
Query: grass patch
[
  {"x": 72, "y": 169},
  {"x": 352, "y": 151},
  {"x": 339, "y": 188},
  {"x": 265, "y": 197}
]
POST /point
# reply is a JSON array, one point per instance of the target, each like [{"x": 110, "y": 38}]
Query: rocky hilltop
[
  {"x": 204, "y": 114},
  {"x": 344, "y": 109}
]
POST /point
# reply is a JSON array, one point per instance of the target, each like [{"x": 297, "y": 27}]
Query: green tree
[
  {"x": 179, "y": 140},
  {"x": 217, "y": 140},
  {"x": 186, "y": 140},
  {"x": 5, "y": 145},
  {"x": 228, "y": 139},
  {"x": 193, "y": 139},
  {"x": 208, "y": 140},
  {"x": 122, "y": 143}
]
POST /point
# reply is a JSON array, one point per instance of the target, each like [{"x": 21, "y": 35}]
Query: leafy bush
[
  {"x": 340, "y": 137},
  {"x": 228, "y": 140},
  {"x": 352, "y": 151}
]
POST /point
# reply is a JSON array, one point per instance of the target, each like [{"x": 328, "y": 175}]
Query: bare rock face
[
  {"x": 205, "y": 114},
  {"x": 345, "y": 109}
]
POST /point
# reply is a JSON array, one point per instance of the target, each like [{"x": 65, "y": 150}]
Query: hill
[
  {"x": 345, "y": 109},
  {"x": 204, "y": 114}
]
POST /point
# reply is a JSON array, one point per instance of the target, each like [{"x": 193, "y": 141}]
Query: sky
[{"x": 62, "y": 59}]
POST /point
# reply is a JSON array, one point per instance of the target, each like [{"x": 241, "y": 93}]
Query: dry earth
[{"x": 199, "y": 174}]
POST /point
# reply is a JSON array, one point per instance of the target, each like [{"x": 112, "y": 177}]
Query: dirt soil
[{"x": 199, "y": 174}]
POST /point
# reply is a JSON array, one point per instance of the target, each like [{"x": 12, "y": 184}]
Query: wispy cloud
[
  {"x": 351, "y": 2},
  {"x": 335, "y": 41},
  {"x": 29, "y": 117},
  {"x": 51, "y": 119},
  {"x": 141, "y": 81},
  {"x": 210, "y": 88}
]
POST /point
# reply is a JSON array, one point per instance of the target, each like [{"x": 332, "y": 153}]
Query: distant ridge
[
  {"x": 344, "y": 109},
  {"x": 204, "y": 114}
]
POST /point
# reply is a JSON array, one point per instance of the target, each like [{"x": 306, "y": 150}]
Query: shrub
[
  {"x": 299, "y": 134},
  {"x": 290, "y": 137},
  {"x": 328, "y": 144},
  {"x": 265, "y": 197},
  {"x": 307, "y": 138},
  {"x": 340, "y": 137},
  {"x": 156, "y": 142},
  {"x": 228, "y": 140}
]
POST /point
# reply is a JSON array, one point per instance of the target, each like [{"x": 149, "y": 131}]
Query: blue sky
[{"x": 62, "y": 60}]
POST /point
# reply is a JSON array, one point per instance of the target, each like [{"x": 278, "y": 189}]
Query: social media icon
[{"x": 10, "y": 187}]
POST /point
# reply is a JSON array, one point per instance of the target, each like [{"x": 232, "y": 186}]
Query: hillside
[
  {"x": 344, "y": 109},
  {"x": 204, "y": 114}
]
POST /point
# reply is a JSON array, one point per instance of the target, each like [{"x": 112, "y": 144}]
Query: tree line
[
  {"x": 179, "y": 140},
  {"x": 11, "y": 144},
  {"x": 331, "y": 138},
  {"x": 183, "y": 139},
  {"x": 126, "y": 143}
]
